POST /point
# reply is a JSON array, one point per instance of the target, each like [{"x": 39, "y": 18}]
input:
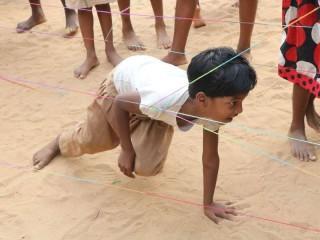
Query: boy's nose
[{"x": 239, "y": 109}]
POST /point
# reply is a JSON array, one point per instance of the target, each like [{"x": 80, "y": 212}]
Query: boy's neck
[{"x": 188, "y": 108}]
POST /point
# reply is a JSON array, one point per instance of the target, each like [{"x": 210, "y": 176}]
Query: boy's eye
[{"x": 233, "y": 103}]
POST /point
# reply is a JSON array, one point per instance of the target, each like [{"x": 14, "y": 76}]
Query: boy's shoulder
[
  {"x": 143, "y": 60},
  {"x": 138, "y": 59},
  {"x": 148, "y": 65}
]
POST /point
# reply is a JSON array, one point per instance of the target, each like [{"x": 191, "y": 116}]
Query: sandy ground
[{"x": 88, "y": 197}]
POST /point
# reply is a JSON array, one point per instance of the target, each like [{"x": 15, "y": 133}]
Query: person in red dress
[{"x": 299, "y": 63}]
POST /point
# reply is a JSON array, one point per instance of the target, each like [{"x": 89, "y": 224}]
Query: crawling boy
[{"x": 143, "y": 99}]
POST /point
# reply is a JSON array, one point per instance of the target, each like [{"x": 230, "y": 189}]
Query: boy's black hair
[{"x": 235, "y": 77}]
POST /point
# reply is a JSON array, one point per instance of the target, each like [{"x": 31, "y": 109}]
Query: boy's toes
[
  {"x": 76, "y": 73},
  {"x": 83, "y": 76},
  {"x": 312, "y": 157},
  {"x": 41, "y": 163},
  {"x": 39, "y": 166},
  {"x": 35, "y": 160},
  {"x": 70, "y": 31},
  {"x": 306, "y": 156}
]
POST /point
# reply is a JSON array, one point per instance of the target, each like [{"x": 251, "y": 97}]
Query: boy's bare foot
[
  {"x": 198, "y": 22},
  {"x": 30, "y": 23},
  {"x": 301, "y": 150},
  {"x": 44, "y": 156},
  {"x": 88, "y": 64},
  {"x": 132, "y": 41},
  {"x": 113, "y": 57},
  {"x": 163, "y": 39},
  {"x": 176, "y": 59},
  {"x": 71, "y": 24},
  {"x": 313, "y": 119}
]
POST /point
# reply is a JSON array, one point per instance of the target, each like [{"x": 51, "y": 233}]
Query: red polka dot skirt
[{"x": 299, "y": 60}]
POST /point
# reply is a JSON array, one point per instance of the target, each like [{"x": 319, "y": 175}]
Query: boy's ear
[{"x": 201, "y": 97}]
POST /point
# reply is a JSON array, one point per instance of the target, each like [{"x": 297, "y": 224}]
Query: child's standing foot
[
  {"x": 71, "y": 21},
  {"x": 129, "y": 36},
  {"x": 30, "y": 23},
  {"x": 105, "y": 19},
  {"x": 45, "y": 155},
  {"x": 198, "y": 22},
  {"x": 113, "y": 57},
  {"x": 163, "y": 40},
  {"x": 184, "y": 14},
  {"x": 299, "y": 149},
  {"x": 36, "y": 18},
  {"x": 131, "y": 40},
  {"x": 71, "y": 25},
  {"x": 89, "y": 63},
  {"x": 86, "y": 27},
  {"x": 175, "y": 58}
]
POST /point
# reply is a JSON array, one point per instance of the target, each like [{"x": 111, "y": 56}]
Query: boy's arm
[
  {"x": 124, "y": 105},
  {"x": 210, "y": 161}
]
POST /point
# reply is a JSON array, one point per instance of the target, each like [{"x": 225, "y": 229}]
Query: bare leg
[
  {"x": 37, "y": 17},
  {"x": 301, "y": 150},
  {"x": 86, "y": 26},
  {"x": 313, "y": 118},
  {"x": 129, "y": 36},
  {"x": 163, "y": 39},
  {"x": 184, "y": 9},
  {"x": 247, "y": 15},
  {"x": 106, "y": 27},
  {"x": 198, "y": 22},
  {"x": 71, "y": 21},
  {"x": 45, "y": 155}
]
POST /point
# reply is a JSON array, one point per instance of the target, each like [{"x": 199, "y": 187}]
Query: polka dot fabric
[{"x": 299, "y": 60}]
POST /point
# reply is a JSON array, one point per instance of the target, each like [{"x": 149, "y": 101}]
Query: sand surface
[{"x": 89, "y": 198}]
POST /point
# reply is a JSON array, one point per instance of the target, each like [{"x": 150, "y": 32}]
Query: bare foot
[
  {"x": 176, "y": 59},
  {"x": 198, "y": 22},
  {"x": 71, "y": 24},
  {"x": 88, "y": 64},
  {"x": 132, "y": 41},
  {"x": 44, "y": 156},
  {"x": 30, "y": 23},
  {"x": 236, "y": 4},
  {"x": 163, "y": 39},
  {"x": 301, "y": 150},
  {"x": 113, "y": 57},
  {"x": 313, "y": 119}
]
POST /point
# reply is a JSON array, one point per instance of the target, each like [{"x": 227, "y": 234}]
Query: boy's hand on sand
[
  {"x": 126, "y": 162},
  {"x": 216, "y": 211}
]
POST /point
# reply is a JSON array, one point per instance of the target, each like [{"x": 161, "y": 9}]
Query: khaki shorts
[
  {"x": 151, "y": 138},
  {"x": 77, "y": 4}
]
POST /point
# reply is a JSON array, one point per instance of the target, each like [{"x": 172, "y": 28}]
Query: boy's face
[{"x": 221, "y": 109}]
